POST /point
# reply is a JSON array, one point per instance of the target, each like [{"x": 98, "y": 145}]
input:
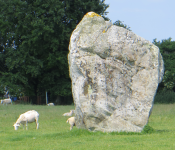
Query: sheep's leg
[
  {"x": 26, "y": 126},
  {"x": 37, "y": 124},
  {"x": 23, "y": 126},
  {"x": 71, "y": 127}
]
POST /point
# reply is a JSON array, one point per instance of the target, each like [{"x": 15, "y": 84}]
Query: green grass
[{"x": 54, "y": 133}]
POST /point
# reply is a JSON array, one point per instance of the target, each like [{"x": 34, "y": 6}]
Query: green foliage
[
  {"x": 167, "y": 49},
  {"x": 34, "y": 38},
  {"x": 165, "y": 97},
  {"x": 120, "y": 24},
  {"x": 147, "y": 129}
]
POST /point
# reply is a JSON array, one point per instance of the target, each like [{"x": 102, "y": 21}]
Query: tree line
[
  {"x": 166, "y": 89},
  {"x": 34, "y": 39}
]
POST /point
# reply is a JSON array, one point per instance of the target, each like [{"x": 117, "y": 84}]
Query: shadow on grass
[
  {"x": 162, "y": 131},
  {"x": 146, "y": 130}
]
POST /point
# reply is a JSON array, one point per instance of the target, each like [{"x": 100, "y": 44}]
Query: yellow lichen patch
[
  {"x": 104, "y": 31},
  {"x": 92, "y": 14}
]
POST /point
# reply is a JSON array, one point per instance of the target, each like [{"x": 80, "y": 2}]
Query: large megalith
[{"x": 115, "y": 74}]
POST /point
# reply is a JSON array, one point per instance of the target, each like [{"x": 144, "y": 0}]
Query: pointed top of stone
[{"x": 92, "y": 14}]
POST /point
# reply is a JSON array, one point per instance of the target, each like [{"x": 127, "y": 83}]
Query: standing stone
[{"x": 115, "y": 74}]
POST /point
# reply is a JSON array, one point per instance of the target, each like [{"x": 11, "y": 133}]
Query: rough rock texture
[{"x": 115, "y": 75}]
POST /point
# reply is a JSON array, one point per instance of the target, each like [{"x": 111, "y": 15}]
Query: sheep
[
  {"x": 27, "y": 117},
  {"x": 71, "y": 121},
  {"x": 50, "y": 104},
  {"x": 6, "y": 101},
  {"x": 69, "y": 113}
]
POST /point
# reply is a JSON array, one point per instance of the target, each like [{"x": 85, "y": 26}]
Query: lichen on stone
[{"x": 92, "y": 14}]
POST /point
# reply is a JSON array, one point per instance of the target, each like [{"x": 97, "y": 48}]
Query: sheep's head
[
  {"x": 16, "y": 125},
  {"x": 72, "y": 111}
]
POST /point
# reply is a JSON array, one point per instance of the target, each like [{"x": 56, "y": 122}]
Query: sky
[{"x": 149, "y": 19}]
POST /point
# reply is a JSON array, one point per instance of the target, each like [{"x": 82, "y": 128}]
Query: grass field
[{"x": 54, "y": 133}]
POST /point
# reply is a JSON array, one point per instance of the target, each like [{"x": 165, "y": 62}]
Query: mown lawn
[{"x": 54, "y": 133}]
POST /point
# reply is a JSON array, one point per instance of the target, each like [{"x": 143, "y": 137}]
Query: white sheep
[
  {"x": 71, "y": 121},
  {"x": 6, "y": 101},
  {"x": 50, "y": 104},
  {"x": 27, "y": 117},
  {"x": 69, "y": 113}
]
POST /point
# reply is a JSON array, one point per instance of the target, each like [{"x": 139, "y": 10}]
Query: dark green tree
[
  {"x": 35, "y": 38},
  {"x": 167, "y": 49}
]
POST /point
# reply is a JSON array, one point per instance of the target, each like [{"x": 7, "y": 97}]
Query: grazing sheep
[
  {"x": 71, "y": 121},
  {"x": 27, "y": 117},
  {"x": 69, "y": 113},
  {"x": 6, "y": 101},
  {"x": 50, "y": 104}
]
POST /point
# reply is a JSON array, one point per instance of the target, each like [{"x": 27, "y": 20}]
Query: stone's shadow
[{"x": 161, "y": 131}]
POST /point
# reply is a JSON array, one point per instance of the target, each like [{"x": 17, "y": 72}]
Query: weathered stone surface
[{"x": 115, "y": 75}]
